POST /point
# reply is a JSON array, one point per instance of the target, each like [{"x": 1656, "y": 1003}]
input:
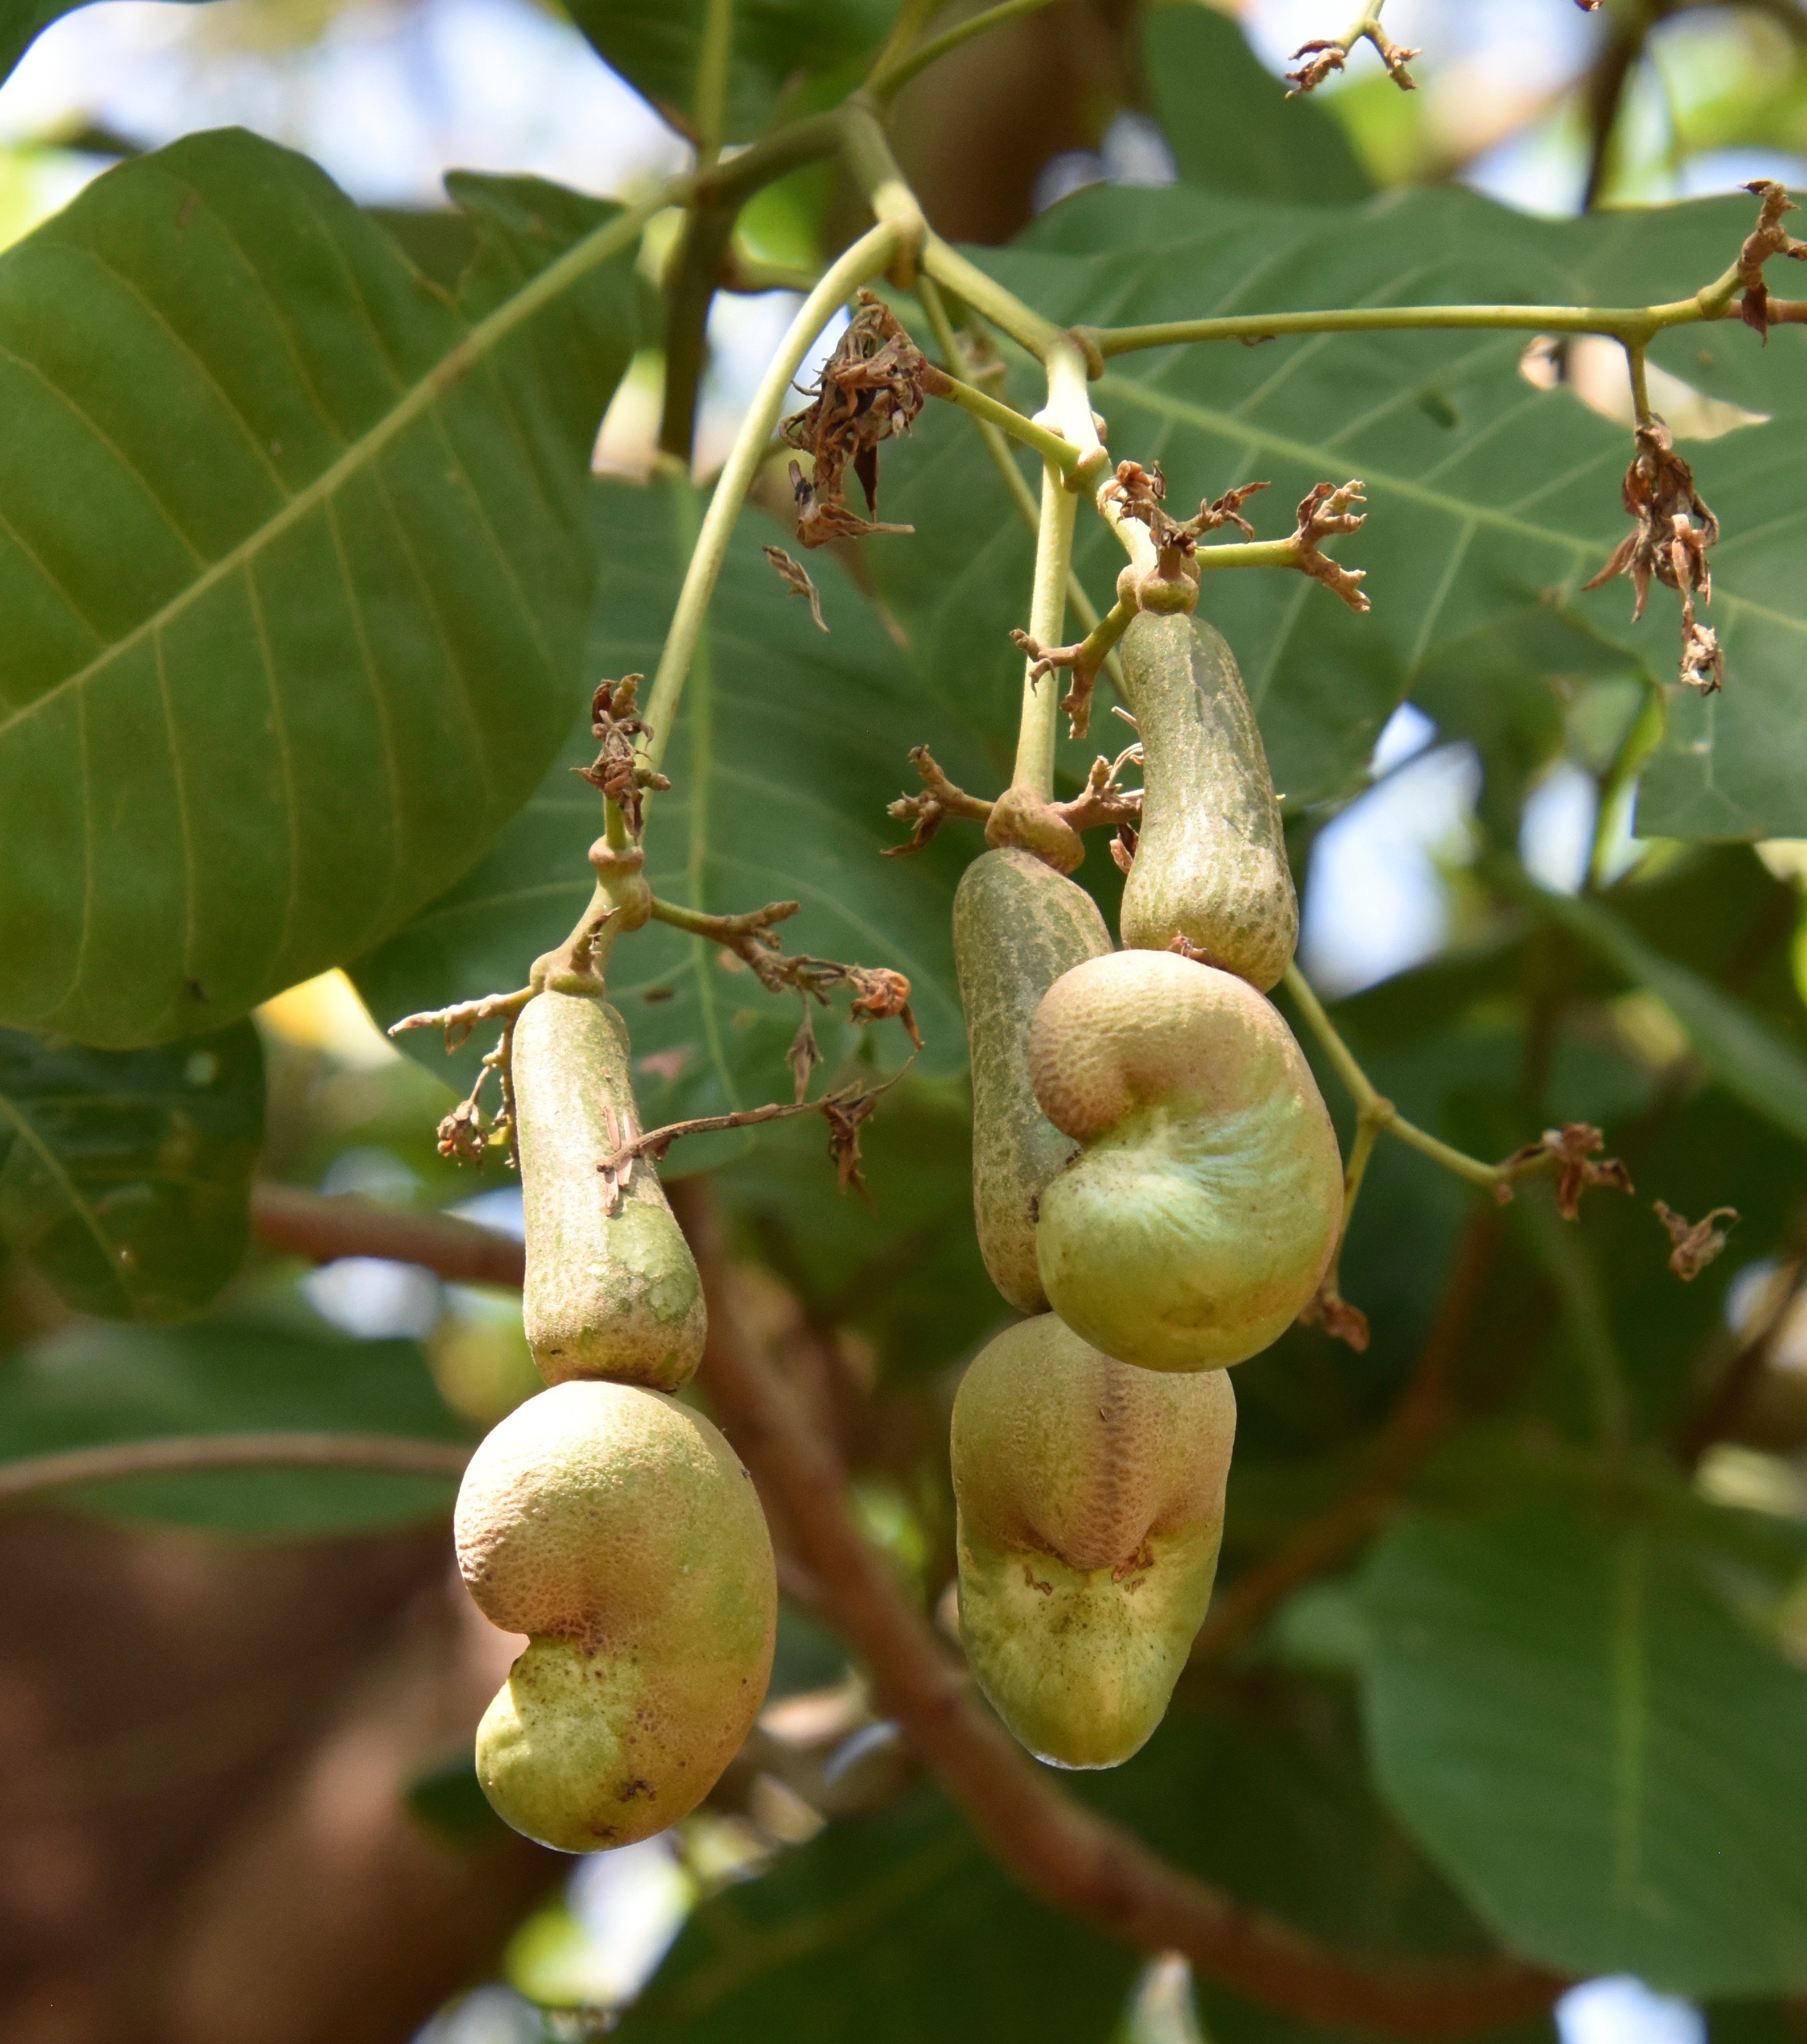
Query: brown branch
[
  {"x": 185, "y": 1454},
  {"x": 1061, "y": 1851},
  {"x": 1417, "y": 1423},
  {"x": 321, "y": 1227}
]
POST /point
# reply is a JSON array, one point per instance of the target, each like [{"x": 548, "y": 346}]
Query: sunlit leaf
[{"x": 295, "y": 569}]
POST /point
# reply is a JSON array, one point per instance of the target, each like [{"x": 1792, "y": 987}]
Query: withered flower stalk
[
  {"x": 1667, "y": 542},
  {"x": 870, "y": 388},
  {"x": 617, "y": 769}
]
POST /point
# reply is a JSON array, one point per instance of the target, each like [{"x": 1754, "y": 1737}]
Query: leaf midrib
[{"x": 416, "y": 402}]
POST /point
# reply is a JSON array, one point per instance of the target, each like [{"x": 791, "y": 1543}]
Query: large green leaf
[
  {"x": 776, "y": 43},
  {"x": 789, "y": 744},
  {"x": 125, "y": 1175},
  {"x": 892, "y": 1929},
  {"x": 295, "y": 569},
  {"x": 98, "y": 1384},
  {"x": 1580, "y": 1715},
  {"x": 1746, "y": 1052},
  {"x": 1228, "y": 120},
  {"x": 1489, "y": 498}
]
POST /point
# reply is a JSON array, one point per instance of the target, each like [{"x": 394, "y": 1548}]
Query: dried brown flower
[
  {"x": 1322, "y": 58},
  {"x": 462, "y": 1137},
  {"x": 1696, "y": 1245},
  {"x": 870, "y": 388},
  {"x": 1327, "y": 512},
  {"x": 796, "y": 577},
  {"x": 1571, "y": 1147},
  {"x": 1341, "y": 1321},
  {"x": 1768, "y": 238},
  {"x": 618, "y": 769},
  {"x": 1667, "y": 543}
]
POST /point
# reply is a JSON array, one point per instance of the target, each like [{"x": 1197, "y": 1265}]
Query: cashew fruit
[
  {"x": 612, "y": 1289},
  {"x": 618, "y": 1529},
  {"x": 1210, "y": 866},
  {"x": 1204, "y": 1206},
  {"x": 1018, "y": 925},
  {"x": 1090, "y": 1498}
]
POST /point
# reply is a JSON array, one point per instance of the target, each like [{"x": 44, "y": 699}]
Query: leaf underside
[{"x": 295, "y": 616}]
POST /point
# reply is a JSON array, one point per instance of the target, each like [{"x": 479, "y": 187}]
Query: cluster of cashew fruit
[
  {"x": 1157, "y": 1183},
  {"x": 612, "y": 1524}
]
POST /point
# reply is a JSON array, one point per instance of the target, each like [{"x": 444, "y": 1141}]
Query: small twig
[
  {"x": 1083, "y": 660},
  {"x": 847, "y": 1110},
  {"x": 1051, "y": 830},
  {"x": 879, "y": 993},
  {"x": 459, "y": 1020},
  {"x": 1567, "y": 1150},
  {"x": 1318, "y": 60},
  {"x": 324, "y": 1227},
  {"x": 188, "y": 1455},
  {"x": 938, "y": 800}
]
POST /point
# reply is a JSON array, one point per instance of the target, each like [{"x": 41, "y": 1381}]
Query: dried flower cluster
[
  {"x": 1696, "y": 1243},
  {"x": 617, "y": 769},
  {"x": 1321, "y": 60},
  {"x": 1668, "y": 543},
  {"x": 1768, "y": 238},
  {"x": 870, "y": 388},
  {"x": 1571, "y": 1149},
  {"x": 796, "y": 578}
]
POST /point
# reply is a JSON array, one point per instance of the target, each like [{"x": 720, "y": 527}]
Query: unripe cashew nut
[
  {"x": 1018, "y": 926},
  {"x": 1210, "y": 868},
  {"x": 612, "y": 1289},
  {"x": 1091, "y": 1506},
  {"x": 618, "y": 1529},
  {"x": 1203, "y": 1209}
]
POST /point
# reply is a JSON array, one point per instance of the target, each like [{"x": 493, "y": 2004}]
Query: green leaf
[
  {"x": 294, "y": 568},
  {"x": 1227, "y": 118},
  {"x": 125, "y": 1175},
  {"x": 776, "y": 43},
  {"x": 789, "y": 742},
  {"x": 1581, "y": 1715},
  {"x": 1750, "y": 1057},
  {"x": 1490, "y": 499},
  {"x": 97, "y": 1384},
  {"x": 891, "y": 1928}
]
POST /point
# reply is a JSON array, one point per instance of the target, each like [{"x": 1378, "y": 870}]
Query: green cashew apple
[
  {"x": 1018, "y": 925},
  {"x": 618, "y": 1529},
  {"x": 1204, "y": 1207},
  {"x": 612, "y": 1289},
  {"x": 1210, "y": 867},
  {"x": 1090, "y": 1508}
]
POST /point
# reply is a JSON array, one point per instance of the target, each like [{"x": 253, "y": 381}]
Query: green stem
[
  {"x": 1038, "y": 731},
  {"x": 984, "y": 294},
  {"x": 1005, "y": 418},
  {"x": 1248, "y": 554},
  {"x": 868, "y": 258},
  {"x": 1634, "y": 325},
  {"x": 1640, "y": 384},
  {"x": 689, "y": 293},
  {"x": 1373, "y": 1107},
  {"x": 713, "y": 66},
  {"x": 890, "y": 73},
  {"x": 929, "y": 292}
]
